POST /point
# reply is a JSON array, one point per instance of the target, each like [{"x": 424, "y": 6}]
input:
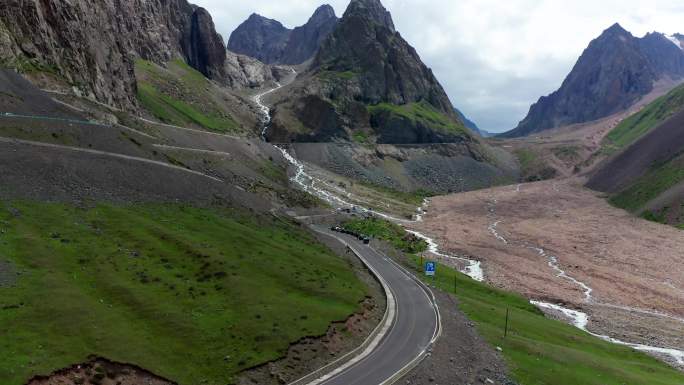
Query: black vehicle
[{"x": 366, "y": 240}]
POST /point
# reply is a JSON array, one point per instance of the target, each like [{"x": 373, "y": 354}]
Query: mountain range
[
  {"x": 366, "y": 80},
  {"x": 270, "y": 42},
  {"x": 615, "y": 71}
]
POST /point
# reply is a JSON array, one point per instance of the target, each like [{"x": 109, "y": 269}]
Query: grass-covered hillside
[
  {"x": 180, "y": 95},
  {"x": 659, "y": 180},
  {"x": 637, "y": 125},
  {"x": 420, "y": 113},
  {"x": 542, "y": 351},
  {"x": 194, "y": 295},
  {"x": 645, "y": 175}
]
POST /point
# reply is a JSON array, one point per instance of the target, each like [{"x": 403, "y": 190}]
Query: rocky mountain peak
[
  {"x": 270, "y": 42},
  {"x": 258, "y": 20},
  {"x": 616, "y": 29},
  {"x": 389, "y": 69},
  {"x": 614, "y": 72},
  {"x": 367, "y": 81},
  {"x": 664, "y": 55},
  {"x": 676, "y": 39},
  {"x": 371, "y": 10},
  {"x": 322, "y": 13}
]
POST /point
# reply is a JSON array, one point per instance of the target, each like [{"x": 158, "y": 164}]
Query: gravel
[
  {"x": 460, "y": 356},
  {"x": 437, "y": 168}
]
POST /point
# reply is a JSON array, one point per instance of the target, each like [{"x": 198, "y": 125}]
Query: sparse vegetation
[
  {"x": 338, "y": 75},
  {"x": 658, "y": 180},
  {"x": 181, "y": 96},
  {"x": 414, "y": 198},
  {"x": 361, "y": 137},
  {"x": 639, "y": 124},
  {"x": 190, "y": 294},
  {"x": 532, "y": 166},
  {"x": 29, "y": 66},
  {"x": 421, "y": 113},
  {"x": 543, "y": 351},
  {"x": 569, "y": 154},
  {"x": 388, "y": 231}
]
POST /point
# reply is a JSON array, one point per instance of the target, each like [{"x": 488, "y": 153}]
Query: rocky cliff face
[
  {"x": 388, "y": 69},
  {"x": 664, "y": 57},
  {"x": 305, "y": 40},
  {"x": 261, "y": 38},
  {"x": 615, "y": 71},
  {"x": 93, "y": 48},
  {"x": 270, "y": 42},
  {"x": 367, "y": 84},
  {"x": 206, "y": 52}
]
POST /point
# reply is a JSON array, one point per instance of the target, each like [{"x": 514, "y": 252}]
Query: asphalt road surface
[{"x": 414, "y": 328}]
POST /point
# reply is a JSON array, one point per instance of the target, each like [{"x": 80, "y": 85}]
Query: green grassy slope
[
  {"x": 423, "y": 113},
  {"x": 194, "y": 295},
  {"x": 639, "y": 124},
  {"x": 180, "y": 95},
  {"x": 650, "y": 186},
  {"x": 541, "y": 351}
]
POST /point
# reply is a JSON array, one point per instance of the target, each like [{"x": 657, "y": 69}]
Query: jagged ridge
[
  {"x": 614, "y": 72},
  {"x": 367, "y": 84},
  {"x": 270, "y": 42}
]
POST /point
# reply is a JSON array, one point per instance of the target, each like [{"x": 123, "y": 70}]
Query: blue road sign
[{"x": 430, "y": 268}]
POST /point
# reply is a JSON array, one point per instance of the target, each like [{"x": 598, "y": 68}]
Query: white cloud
[{"x": 494, "y": 58}]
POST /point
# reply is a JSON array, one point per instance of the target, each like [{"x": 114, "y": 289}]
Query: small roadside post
[{"x": 506, "y": 327}]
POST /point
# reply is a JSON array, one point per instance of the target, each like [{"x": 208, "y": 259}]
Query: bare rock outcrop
[
  {"x": 613, "y": 73},
  {"x": 270, "y": 42},
  {"x": 92, "y": 46}
]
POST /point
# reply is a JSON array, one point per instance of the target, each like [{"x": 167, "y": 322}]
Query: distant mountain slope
[
  {"x": 639, "y": 124},
  {"x": 468, "y": 123},
  {"x": 648, "y": 176},
  {"x": 305, "y": 40},
  {"x": 270, "y": 42},
  {"x": 367, "y": 84},
  {"x": 260, "y": 38},
  {"x": 614, "y": 72}
]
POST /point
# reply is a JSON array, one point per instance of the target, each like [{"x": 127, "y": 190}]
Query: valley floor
[{"x": 558, "y": 242}]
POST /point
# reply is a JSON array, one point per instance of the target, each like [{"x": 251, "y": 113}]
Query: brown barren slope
[{"x": 634, "y": 267}]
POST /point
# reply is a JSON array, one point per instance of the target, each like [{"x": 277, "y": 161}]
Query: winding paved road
[{"x": 414, "y": 327}]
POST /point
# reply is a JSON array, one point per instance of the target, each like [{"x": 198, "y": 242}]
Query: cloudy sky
[{"x": 493, "y": 57}]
